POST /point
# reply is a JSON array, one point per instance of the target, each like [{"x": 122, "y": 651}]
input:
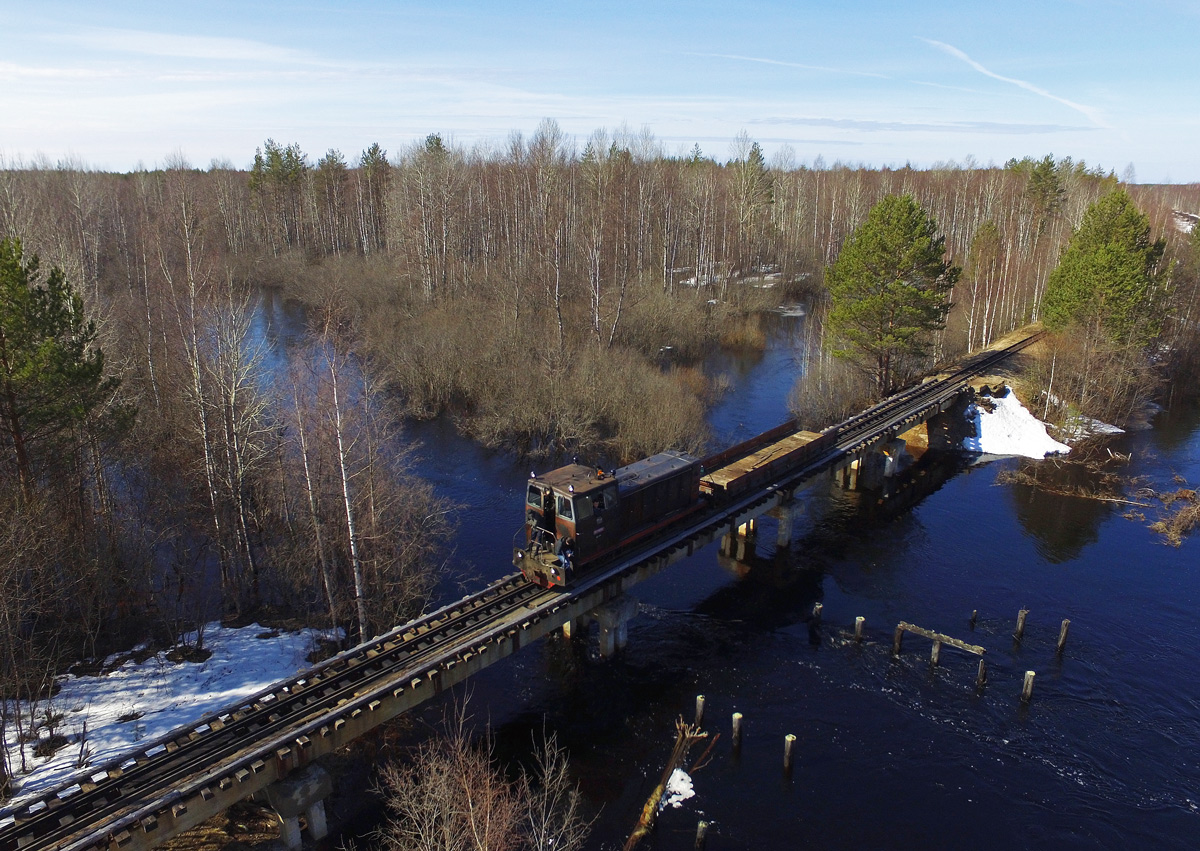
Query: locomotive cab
[{"x": 570, "y": 516}]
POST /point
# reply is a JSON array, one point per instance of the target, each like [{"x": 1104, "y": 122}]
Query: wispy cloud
[
  {"x": 765, "y": 61},
  {"x": 13, "y": 71},
  {"x": 146, "y": 43},
  {"x": 985, "y": 127},
  {"x": 1091, "y": 113}
]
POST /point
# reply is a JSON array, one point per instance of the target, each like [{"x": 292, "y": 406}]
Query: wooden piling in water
[
  {"x": 896, "y": 639},
  {"x": 1021, "y": 615},
  {"x": 789, "y": 746},
  {"x": 933, "y": 655},
  {"x": 974, "y": 617},
  {"x": 699, "y": 710},
  {"x": 981, "y": 677},
  {"x": 817, "y": 612},
  {"x": 1062, "y": 636},
  {"x": 858, "y": 627},
  {"x": 737, "y": 730},
  {"x": 701, "y": 834},
  {"x": 1027, "y": 687}
]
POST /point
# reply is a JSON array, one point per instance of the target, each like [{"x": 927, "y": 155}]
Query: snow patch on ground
[
  {"x": 1081, "y": 427},
  {"x": 679, "y": 789},
  {"x": 154, "y": 697},
  {"x": 1010, "y": 430}
]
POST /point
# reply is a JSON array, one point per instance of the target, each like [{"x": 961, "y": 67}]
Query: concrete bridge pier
[
  {"x": 788, "y": 513},
  {"x": 613, "y": 619},
  {"x": 846, "y": 476},
  {"x": 739, "y": 543},
  {"x": 886, "y": 461},
  {"x": 303, "y": 792}
]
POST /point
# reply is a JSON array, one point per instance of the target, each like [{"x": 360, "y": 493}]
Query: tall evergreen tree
[
  {"x": 1107, "y": 278},
  {"x": 890, "y": 287},
  {"x": 51, "y": 374}
]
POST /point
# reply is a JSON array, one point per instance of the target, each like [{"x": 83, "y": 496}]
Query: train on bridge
[{"x": 576, "y": 516}]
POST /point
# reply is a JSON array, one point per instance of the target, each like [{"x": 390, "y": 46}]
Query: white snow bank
[
  {"x": 1088, "y": 427},
  {"x": 679, "y": 789},
  {"x": 1010, "y": 430},
  {"x": 163, "y": 695}
]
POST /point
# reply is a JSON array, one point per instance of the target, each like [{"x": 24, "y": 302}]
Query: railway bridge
[{"x": 266, "y": 744}]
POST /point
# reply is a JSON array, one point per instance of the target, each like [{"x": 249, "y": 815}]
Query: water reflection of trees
[{"x": 1060, "y": 525}]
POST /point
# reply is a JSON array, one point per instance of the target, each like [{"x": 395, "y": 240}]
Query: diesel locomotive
[{"x": 576, "y": 515}]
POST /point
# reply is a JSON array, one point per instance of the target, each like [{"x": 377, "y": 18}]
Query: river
[{"x": 890, "y": 753}]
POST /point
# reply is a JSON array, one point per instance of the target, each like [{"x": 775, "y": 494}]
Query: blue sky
[{"x": 116, "y": 85}]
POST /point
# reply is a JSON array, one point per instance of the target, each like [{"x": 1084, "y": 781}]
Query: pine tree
[
  {"x": 51, "y": 374},
  {"x": 1107, "y": 278},
  {"x": 890, "y": 288}
]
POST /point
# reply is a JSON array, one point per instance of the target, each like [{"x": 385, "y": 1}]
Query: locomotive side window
[
  {"x": 534, "y": 497},
  {"x": 564, "y": 508},
  {"x": 583, "y": 507}
]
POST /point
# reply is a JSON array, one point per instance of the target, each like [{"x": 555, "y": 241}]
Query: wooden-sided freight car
[{"x": 761, "y": 460}]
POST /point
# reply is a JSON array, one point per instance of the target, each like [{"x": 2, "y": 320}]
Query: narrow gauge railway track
[
  {"x": 918, "y": 397},
  {"x": 77, "y": 813},
  {"x": 216, "y": 739}
]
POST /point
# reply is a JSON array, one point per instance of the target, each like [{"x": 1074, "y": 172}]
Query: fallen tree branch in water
[
  {"x": 1182, "y": 520},
  {"x": 1019, "y": 477},
  {"x": 686, "y": 735}
]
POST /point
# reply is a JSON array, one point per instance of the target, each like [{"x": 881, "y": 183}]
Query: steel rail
[{"x": 219, "y": 736}]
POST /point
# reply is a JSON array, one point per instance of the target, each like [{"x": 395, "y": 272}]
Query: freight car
[
  {"x": 762, "y": 459},
  {"x": 577, "y": 515}
]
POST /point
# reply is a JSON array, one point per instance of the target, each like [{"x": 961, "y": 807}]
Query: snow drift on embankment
[{"x": 1009, "y": 429}]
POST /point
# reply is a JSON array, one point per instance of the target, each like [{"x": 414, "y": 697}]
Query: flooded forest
[{"x": 550, "y": 296}]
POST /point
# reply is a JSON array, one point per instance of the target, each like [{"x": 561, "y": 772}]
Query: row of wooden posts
[
  {"x": 789, "y": 741},
  {"x": 938, "y": 640}
]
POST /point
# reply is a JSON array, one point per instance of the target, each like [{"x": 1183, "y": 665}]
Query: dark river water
[{"x": 890, "y": 753}]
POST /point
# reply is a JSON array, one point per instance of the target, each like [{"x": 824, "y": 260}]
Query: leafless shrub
[
  {"x": 553, "y": 817},
  {"x": 744, "y": 334},
  {"x": 686, "y": 323},
  {"x": 829, "y": 391},
  {"x": 452, "y": 796},
  {"x": 1088, "y": 375}
]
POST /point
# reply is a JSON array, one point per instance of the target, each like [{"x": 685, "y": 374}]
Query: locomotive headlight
[{"x": 520, "y": 554}]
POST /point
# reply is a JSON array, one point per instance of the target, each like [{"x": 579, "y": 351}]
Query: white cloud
[
  {"x": 788, "y": 64},
  {"x": 872, "y": 126},
  {"x": 146, "y": 43},
  {"x": 13, "y": 71},
  {"x": 1091, "y": 113}
]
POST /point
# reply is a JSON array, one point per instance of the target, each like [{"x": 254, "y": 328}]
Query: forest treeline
[{"x": 552, "y": 296}]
